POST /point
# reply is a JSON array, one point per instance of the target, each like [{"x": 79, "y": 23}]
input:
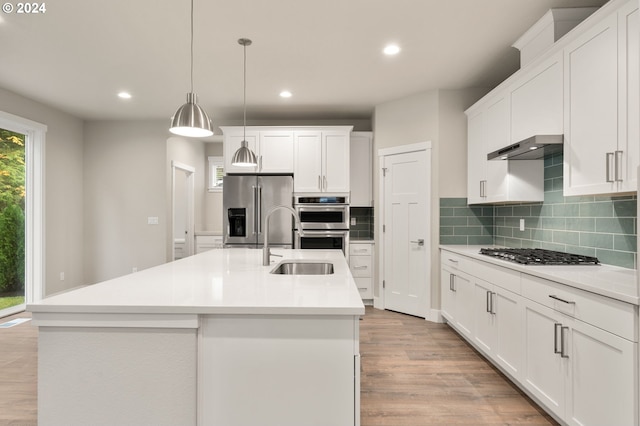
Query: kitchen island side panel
[
  {"x": 116, "y": 376},
  {"x": 278, "y": 370}
]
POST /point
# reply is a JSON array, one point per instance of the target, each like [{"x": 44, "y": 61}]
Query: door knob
[{"x": 420, "y": 242}]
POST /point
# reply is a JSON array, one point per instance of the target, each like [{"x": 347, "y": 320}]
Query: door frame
[
  {"x": 190, "y": 171},
  {"x": 34, "y": 204},
  {"x": 378, "y": 301}
]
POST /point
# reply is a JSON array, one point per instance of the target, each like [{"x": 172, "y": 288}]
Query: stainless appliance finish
[
  {"x": 325, "y": 222},
  {"x": 246, "y": 200},
  {"x": 323, "y": 212},
  {"x": 533, "y": 148}
]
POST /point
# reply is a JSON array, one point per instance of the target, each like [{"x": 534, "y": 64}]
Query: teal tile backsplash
[{"x": 601, "y": 226}]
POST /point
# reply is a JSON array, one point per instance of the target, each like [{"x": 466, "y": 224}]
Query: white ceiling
[{"x": 79, "y": 54}]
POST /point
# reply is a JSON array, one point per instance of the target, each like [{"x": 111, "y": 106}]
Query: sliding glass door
[{"x": 12, "y": 221}]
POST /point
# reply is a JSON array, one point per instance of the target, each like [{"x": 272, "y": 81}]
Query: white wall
[
  {"x": 63, "y": 189},
  {"x": 436, "y": 116},
  {"x": 125, "y": 183},
  {"x": 212, "y": 200}
]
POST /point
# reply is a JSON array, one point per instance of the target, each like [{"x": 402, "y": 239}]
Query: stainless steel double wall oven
[{"x": 324, "y": 220}]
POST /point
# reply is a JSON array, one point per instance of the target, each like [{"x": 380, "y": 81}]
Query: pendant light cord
[
  {"x": 244, "y": 93},
  {"x": 191, "y": 46}
]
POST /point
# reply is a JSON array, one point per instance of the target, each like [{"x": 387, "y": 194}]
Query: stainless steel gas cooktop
[{"x": 526, "y": 256}]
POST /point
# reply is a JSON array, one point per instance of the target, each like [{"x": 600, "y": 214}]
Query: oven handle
[{"x": 321, "y": 233}]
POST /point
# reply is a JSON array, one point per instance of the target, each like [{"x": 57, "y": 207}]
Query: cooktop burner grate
[{"x": 539, "y": 256}]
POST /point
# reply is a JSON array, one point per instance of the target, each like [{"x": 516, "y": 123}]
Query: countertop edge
[{"x": 473, "y": 252}]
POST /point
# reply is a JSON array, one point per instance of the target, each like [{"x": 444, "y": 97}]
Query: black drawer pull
[{"x": 554, "y": 297}]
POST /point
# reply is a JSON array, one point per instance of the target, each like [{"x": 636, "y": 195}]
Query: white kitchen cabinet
[
  {"x": 208, "y": 242},
  {"x": 498, "y": 181},
  {"x": 601, "y": 151},
  {"x": 574, "y": 351},
  {"x": 575, "y": 369},
  {"x": 321, "y": 160},
  {"x": 498, "y": 322},
  {"x": 457, "y": 298},
  {"x": 273, "y": 148},
  {"x": 361, "y": 169},
  {"x": 536, "y": 101},
  {"x": 361, "y": 266}
]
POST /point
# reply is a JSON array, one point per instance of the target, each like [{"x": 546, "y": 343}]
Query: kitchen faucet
[{"x": 266, "y": 253}]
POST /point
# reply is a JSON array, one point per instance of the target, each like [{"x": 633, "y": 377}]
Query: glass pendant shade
[
  {"x": 244, "y": 157},
  {"x": 191, "y": 120}
]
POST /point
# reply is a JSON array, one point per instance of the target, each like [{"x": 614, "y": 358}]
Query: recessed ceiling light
[
  {"x": 391, "y": 49},
  {"x": 285, "y": 94},
  {"x": 124, "y": 95}
]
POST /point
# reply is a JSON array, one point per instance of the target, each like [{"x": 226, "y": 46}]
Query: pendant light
[
  {"x": 190, "y": 119},
  {"x": 244, "y": 157}
]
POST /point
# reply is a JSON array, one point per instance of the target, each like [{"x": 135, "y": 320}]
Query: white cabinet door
[
  {"x": 497, "y": 124},
  {"x": 232, "y": 140},
  {"x": 485, "y": 333},
  {"x": 545, "y": 371},
  {"x": 476, "y": 163},
  {"x": 591, "y": 110},
  {"x": 361, "y": 166},
  {"x": 463, "y": 293},
  {"x": 276, "y": 151},
  {"x": 629, "y": 96},
  {"x": 507, "y": 309},
  {"x": 321, "y": 161},
  {"x": 447, "y": 294},
  {"x": 536, "y": 101},
  {"x": 307, "y": 161},
  {"x": 335, "y": 161},
  {"x": 603, "y": 374}
]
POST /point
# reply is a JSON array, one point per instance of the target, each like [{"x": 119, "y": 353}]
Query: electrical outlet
[
  {"x": 134, "y": 269},
  {"x": 353, "y": 221},
  {"x": 61, "y": 276},
  {"x": 522, "y": 224}
]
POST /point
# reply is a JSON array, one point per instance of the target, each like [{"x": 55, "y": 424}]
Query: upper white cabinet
[
  {"x": 273, "y": 148},
  {"x": 497, "y": 181},
  {"x": 321, "y": 160},
  {"x": 361, "y": 169},
  {"x": 536, "y": 101},
  {"x": 601, "y": 105}
]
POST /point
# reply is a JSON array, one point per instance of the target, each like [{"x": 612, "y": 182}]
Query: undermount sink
[{"x": 303, "y": 267}]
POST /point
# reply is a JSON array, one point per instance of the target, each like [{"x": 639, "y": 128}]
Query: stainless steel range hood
[{"x": 533, "y": 148}]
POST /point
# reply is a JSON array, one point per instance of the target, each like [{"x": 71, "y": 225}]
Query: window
[{"x": 216, "y": 172}]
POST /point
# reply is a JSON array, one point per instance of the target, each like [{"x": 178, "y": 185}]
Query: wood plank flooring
[
  {"x": 18, "y": 373},
  {"x": 413, "y": 373},
  {"x": 416, "y": 372}
]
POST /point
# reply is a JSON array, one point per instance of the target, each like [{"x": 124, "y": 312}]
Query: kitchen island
[{"x": 212, "y": 339}]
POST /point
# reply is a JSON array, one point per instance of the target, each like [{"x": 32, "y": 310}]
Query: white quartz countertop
[
  {"x": 221, "y": 281},
  {"x": 611, "y": 281}
]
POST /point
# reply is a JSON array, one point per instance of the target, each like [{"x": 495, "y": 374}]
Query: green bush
[{"x": 11, "y": 249}]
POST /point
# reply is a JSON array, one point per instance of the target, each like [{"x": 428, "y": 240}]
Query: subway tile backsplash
[
  {"x": 601, "y": 226},
  {"x": 363, "y": 229}
]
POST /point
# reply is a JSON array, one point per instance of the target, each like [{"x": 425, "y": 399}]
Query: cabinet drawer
[
  {"x": 502, "y": 277},
  {"x": 455, "y": 261},
  {"x": 603, "y": 312},
  {"x": 360, "y": 266},
  {"x": 365, "y": 287},
  {"x": 356, "y": 249}
]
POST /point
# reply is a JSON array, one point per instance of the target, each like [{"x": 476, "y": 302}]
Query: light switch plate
[{"x": 152, "y": 220}]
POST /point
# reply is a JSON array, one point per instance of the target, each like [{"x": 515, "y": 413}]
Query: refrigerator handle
[
  {"x": 259, "y": 207},
  {"x": 255, "y": 208}
]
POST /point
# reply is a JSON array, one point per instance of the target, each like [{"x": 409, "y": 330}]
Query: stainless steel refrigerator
[{"x": 246, "y": 200}]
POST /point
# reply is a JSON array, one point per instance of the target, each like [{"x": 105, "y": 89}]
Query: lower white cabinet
[
  {"x": 361, "y": 266},
  {"x": 208, "y": 242},
  {"x": 498, "y": 322},
  {"x": 574, "y": 352}
]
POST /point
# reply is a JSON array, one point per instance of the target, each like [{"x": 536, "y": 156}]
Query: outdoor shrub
[{"x": 11, "y": 249}]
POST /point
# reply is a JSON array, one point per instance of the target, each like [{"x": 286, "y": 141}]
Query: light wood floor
[
  {"x": 416, "y": 372},
  {"x": 413, "y": 373}
]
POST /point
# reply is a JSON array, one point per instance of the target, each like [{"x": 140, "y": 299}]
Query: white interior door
[
  {"x": 182, "y": 225},
  {"x": 406, "y": 251}
]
